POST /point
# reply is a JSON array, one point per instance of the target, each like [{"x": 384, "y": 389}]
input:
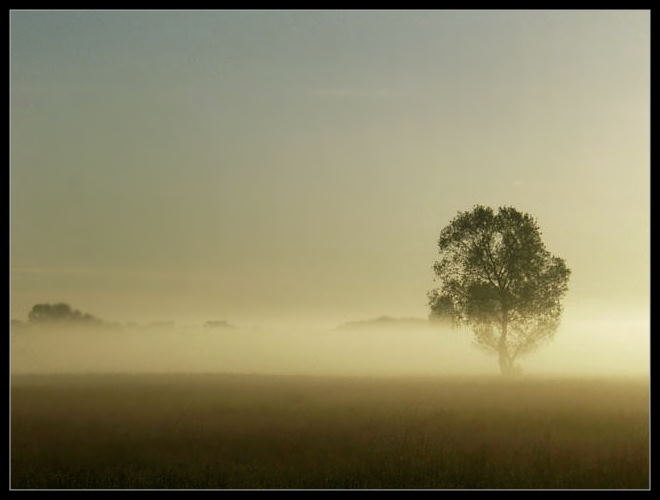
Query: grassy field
[{"x": 244, "y": 431}]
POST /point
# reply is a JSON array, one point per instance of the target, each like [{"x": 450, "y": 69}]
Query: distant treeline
[
  {"x": 384, "y": 321},
  {"x": 62, "y": 314}
]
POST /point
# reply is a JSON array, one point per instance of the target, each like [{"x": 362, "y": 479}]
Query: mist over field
[{"x": 612, "y": 346}]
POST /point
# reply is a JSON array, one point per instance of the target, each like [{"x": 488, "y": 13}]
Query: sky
[{"x": 284, "y": 167}]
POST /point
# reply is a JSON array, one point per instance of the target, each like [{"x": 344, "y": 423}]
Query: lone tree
[{"x": 497, "y": 278}]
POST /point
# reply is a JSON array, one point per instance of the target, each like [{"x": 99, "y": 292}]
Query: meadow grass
[{"x": 262, "y": 432}]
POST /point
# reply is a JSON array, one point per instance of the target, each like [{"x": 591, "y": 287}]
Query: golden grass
[{"x": 243, "y": 431}]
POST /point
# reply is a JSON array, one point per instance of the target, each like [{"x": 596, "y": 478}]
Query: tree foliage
[{"x": 496, "y": 276}]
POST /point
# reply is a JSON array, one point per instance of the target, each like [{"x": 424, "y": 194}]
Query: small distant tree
[
  {"x": 59, "y": 313},
  {"x": 497, "y": 278}
]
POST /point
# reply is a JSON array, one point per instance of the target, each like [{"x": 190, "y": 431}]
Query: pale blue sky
[{"x": 268, "y": 165}]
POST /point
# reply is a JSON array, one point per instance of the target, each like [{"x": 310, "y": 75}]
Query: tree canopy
[{"x": 496, "y": 277}]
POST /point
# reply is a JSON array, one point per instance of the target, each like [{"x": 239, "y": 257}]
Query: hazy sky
[{"x": 270, "y": 166}]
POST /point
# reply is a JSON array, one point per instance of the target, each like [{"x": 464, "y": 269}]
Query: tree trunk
[
  {"x": 506, "y": 366},
  {"x": 506, "y": 363}
]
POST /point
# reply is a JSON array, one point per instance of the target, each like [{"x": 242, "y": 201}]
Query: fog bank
[{"x": 612, "y": 346}]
